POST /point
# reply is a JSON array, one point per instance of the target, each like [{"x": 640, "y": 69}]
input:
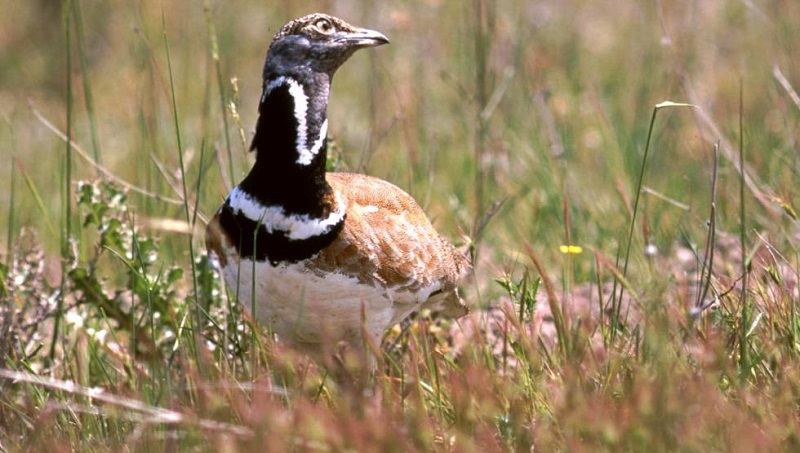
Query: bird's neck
[{"x": 291, "y": 145}]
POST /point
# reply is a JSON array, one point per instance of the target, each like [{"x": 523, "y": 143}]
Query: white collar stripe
[{"x": 274, "y": 218}]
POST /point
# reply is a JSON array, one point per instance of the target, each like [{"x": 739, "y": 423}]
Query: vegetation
[{"x": 624, "y": 172}]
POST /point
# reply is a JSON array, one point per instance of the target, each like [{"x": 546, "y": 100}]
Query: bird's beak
[{"x": 363, "y": 37}]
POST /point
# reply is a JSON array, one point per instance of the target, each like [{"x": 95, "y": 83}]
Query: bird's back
[{"x": 387, "y": 240}]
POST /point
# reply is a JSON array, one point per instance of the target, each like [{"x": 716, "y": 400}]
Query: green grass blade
[{"x": 186, "y": 203}]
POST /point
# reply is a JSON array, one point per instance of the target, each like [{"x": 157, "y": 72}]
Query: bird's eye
[{"x": 324, "y": 25}]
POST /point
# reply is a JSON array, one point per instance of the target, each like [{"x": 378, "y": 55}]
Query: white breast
[{"x": 303, "y": 307}]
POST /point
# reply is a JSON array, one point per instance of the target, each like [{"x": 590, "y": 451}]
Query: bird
[{"x": 318, "y": 257}]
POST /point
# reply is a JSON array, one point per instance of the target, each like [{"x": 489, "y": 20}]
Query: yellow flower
[{"x": 571, "y": 249}]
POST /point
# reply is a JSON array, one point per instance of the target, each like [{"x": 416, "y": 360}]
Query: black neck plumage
[
  {"x": 291, "y": 146},
  {"x": 286, "y": 188}
]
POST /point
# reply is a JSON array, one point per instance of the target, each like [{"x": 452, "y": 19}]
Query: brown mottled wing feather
[{"x": 388, "y": 239}]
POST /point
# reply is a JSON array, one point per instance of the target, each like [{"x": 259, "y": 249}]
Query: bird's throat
[
  {"x": 287, "y": 102},
  {"x": 291, "y": 146}
]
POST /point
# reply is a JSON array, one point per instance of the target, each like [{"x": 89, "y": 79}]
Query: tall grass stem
[
  {"x": 66, "y": 181},
  {"x": 186, "y": 202}
]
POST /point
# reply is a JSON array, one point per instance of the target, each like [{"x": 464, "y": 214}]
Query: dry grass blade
[
  {"x": 149, "y": 414},
  {"x": 562, "y": 326},
  {"x": 103, "y": 170},
  {"x": 729, "y": 151},
  {"x": 781, "y": 78}
]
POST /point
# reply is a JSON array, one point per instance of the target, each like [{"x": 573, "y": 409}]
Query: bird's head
[{"x": 317, "y": 42}]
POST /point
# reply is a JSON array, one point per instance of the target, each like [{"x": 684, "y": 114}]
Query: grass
[{"x": 636, "y": 266}]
